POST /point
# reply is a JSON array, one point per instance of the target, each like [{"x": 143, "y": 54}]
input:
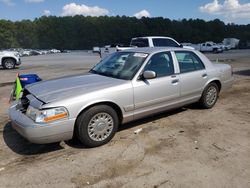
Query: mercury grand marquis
[{"x": 123, "y": 87}]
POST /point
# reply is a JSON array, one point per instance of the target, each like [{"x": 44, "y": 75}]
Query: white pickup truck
[
  {"x": 9, "y": 59},
  {"x": 209, "y": 47},
  {"x": 148, "y": 41}
]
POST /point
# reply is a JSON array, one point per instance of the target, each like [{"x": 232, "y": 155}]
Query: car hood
[
  {"x": 8, "y": 53},
  {"x": 66, "y": 87}
]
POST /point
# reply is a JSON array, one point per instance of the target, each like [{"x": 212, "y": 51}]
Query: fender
[
  {"x": 117, "y": 108},
  {"x": 9, "y": 57},
  {"x": 214, "y": 79}
]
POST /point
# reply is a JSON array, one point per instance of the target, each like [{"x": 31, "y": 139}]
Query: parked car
[
  {"x": 148, "y": 41},
  {"x": 123, "y": 87},
  {"x": 25, "y": 52},
  {"x": 231, "y": 43},
  {"x": 209, "y": 47},
  {"x": 55, "y": 51},
  {"x": 96, "y": 49},
  {"x": 9, "y": 59},
  {"x": 156, "y": 41},
  {"x": 109, "y": 49}
]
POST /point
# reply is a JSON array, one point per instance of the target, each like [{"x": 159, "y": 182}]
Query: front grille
[{"x": 24, "y": 101}]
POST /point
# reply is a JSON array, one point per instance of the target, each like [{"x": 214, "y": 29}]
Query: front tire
[
  {"x": 9, "y": 63},
  {"x": 97, "y": 125},
  {"x": 215, "y": 50},
  {"x": 209, "y": 96}
]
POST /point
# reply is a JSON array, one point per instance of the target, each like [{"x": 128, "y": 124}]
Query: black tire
[
  {"x": 83, "y": 126},
  {"x": 9, "y": 63},
  {"x": 207, "y": 102},
  {"x": 215, "y": 50}
]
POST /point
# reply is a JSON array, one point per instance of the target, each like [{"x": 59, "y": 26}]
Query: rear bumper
[
  {"x": 41, "y": 133},
  {"x": 227, "y": 84}
]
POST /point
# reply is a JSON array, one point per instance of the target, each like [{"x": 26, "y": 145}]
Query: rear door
[
  {"x": 154, "y": 95},
  {"x": 193, "y": 75}
]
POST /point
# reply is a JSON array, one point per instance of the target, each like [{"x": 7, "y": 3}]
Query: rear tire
[
  {"x": 97, "y": 125},
  {"x": 9, "y": 63},
  {"x": 209, "y": 96}
]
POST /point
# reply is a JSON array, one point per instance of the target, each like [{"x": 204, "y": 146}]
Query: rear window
[
  {"x": 139, "y": 42},
  {"x": 165, "y": 42}
]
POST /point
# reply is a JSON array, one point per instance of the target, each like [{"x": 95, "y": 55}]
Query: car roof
[
  {"x": 162, "y": 37},
  {"x": 151, "y": 50}
]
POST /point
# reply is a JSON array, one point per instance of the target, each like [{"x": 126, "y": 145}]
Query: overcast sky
[{"x": 236, "y": 11}]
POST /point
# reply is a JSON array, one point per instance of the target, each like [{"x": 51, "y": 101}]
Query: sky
[{"x": 229, "y": 11}]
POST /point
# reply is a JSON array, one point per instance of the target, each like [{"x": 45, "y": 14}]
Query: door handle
[
  {"x": 204, "y": 75},
  {"x": 175, "y": 81}
]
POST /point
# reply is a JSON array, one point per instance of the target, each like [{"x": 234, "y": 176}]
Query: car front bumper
[
  {"x": 18, "y": 62},
  {"x": 41, "y": 133}
]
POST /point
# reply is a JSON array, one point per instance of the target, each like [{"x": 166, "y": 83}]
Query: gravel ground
[{"x": 188, "y": 147}]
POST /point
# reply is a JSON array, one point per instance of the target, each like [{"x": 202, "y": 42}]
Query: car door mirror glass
[{"x": 149, "y": 74}]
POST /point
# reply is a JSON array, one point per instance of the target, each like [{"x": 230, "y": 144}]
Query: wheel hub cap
[
  {"x": 100, "y": 126},
  {"x": 9, "y": 64}
]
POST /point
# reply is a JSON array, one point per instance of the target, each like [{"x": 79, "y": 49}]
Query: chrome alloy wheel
[
  {"x": 100, "y": 126},
  {"x": 9, "y": 64},
  {"x": 211, "y": 95}
]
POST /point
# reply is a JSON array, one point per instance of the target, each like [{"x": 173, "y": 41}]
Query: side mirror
[
  {"x": 149, "y": 74},
  {"x": 181, "y": 46}
]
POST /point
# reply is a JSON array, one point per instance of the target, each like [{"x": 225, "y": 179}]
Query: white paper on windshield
[{"x": 140, "y": 55}]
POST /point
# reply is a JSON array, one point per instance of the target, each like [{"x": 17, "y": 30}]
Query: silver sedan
[{"x": 123, "y": 87}]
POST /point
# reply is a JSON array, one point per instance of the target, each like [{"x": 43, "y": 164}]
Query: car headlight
[{"x": 46, "y": 115}]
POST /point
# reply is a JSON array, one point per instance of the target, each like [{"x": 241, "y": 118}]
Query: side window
[
  {"x": 165, "y": 42},
  {"x": 140, "y": 42},
  {"x": 188, "y": 61},
  {"x": 161, "y": 64}
]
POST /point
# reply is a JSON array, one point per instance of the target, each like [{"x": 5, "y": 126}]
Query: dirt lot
[{"x": 188, "y": 147}]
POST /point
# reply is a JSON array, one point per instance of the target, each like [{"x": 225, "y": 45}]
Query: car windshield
[{"x": 120, "y": 65}]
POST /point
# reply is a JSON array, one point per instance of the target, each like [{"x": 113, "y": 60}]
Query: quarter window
[
  {"x": 189, "y": 61},
  {"x": 161, "y": 64}
]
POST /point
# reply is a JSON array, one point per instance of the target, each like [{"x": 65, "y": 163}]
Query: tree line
[{"x": 80, "y": 32}]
